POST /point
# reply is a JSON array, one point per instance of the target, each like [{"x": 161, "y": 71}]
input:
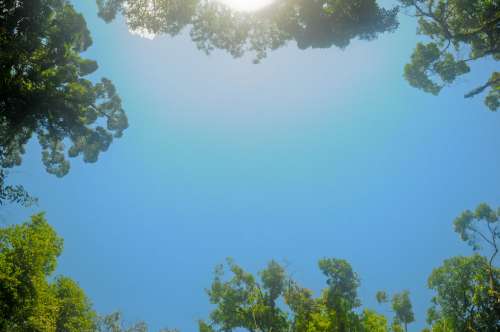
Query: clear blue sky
[{"x": 310, "y": 154}]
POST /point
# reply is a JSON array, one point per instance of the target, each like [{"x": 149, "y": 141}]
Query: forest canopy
[{"x": 454, "y": 28}]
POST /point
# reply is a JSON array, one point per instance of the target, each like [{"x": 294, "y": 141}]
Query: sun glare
[{"x": 246, "y": 5}]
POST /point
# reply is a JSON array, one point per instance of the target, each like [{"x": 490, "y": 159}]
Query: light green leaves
[{"x": 29, "y": 301}]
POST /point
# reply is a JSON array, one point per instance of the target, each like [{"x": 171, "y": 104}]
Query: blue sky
[{"x": 310, "y": 154}]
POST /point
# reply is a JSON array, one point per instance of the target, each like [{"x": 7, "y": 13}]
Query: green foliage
[
  {"x": 381, "y": 297},
  {"x": 277, "y": 303},
  {"x": 463, "y": 301},
  {"x": 242, "y": 302},
  {"x": 28, "y": 301},
  {"x": 75, "y": 311},
  {"x": 482, "y": 225},
  {"x": 373, "y": 322},
  {"x": 43, "y": 91},
  {"x": 32, "y": 299},
  {"x": 454, "y": 27},
  {"x": 212, "y": 25},
  {"x": 402, "y": 307},
  {"x": 468, "y": 226}
]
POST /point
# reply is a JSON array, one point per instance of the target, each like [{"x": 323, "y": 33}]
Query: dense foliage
[
  {"x": 44, "y": 92},
  {"x": 212, "y": 25},
  {"x": 28, "y": 301}
]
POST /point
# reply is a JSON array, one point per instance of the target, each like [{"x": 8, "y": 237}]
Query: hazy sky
[{"x": 310, "y": 154}]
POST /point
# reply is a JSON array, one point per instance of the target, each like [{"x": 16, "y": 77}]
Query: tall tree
[
  {"x": 403, "y": 309},
  {"x": 44, "y": 92},
  {"x": 32, "y": 299},
  {"x": 455, "y": 27},
  {"x": 28, "y": 300},
  {"x": 310, "y": 23},
  {"x": 478, "y": 228}
]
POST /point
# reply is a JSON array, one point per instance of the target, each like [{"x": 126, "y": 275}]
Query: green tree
[
  {"x": 28, "y": 301},
  {"x": 373, "y": 322},
  {"x": 277, "y": 303},
  {"x": 75, "y": 312},
  {"x": 463, "y": 301},
  {"x": 44, "y": 92},
  {"x": 212, "y": 25},
  {"x": 455, "y": 27},
  {"x": 482, "y": 227},
  {"x": 242, "y": 302},
  {"x": 381, "y": 297},
  {"x": 403, "y": 310},
  {"x": 341, "y": 295}
]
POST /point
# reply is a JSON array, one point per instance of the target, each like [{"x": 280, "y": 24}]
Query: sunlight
[{"x": 246, "y": 5}]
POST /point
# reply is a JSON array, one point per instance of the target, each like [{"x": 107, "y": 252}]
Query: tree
[
  {"x": 402, "y": 307},
  {"x": 341, "y": 295},
  {"x": 14, "y": 194},
  {"x": 482, "y": 226},
  {"x": 28, "y": 301},
  {"x": 455, "y": 27},
  {"x": 381, "y": 297},
  {"x": 243, "y": 302},
  {"x": 316, "y": 24},
  {"x": 373, "y": 322},
  {"x": 75, "y": 312},
  {"x": 44, "y": 92},
  {"x": 32, "y": 299},
  {"x": 463, "y": 301}
]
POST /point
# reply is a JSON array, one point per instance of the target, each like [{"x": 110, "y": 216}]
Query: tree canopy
[
  {"x": 278, "y": 303},
  {"x": 463, "y": 301},
  {"x": 33, "y": 299},
  {"x": 44, "y": 92},
  {"x": 461, "y": 32},
  {"x": 28, "y": 300},
  {"x": 212, "y": 25}
]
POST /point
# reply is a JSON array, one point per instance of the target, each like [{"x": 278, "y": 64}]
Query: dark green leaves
[
  {"x": 316, "y": 23},
  {"x": 44, "y": 92},
  {"x": 429, "y": 63},
  {"x": 456, "y": 27}
]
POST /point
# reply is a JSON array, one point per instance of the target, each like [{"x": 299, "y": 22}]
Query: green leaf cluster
[
  {"x": 212, "y": 25},
  {"x": 455, "y": 28},
  {"x": 44, "y": 92},
  {"x": 28, "y": 300}
]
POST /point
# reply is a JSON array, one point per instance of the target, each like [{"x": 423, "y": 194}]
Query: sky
[{"x": 309, "y": 154}]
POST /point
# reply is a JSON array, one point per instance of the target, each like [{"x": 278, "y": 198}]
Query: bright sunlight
[{"x": 247, "y": 5}]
